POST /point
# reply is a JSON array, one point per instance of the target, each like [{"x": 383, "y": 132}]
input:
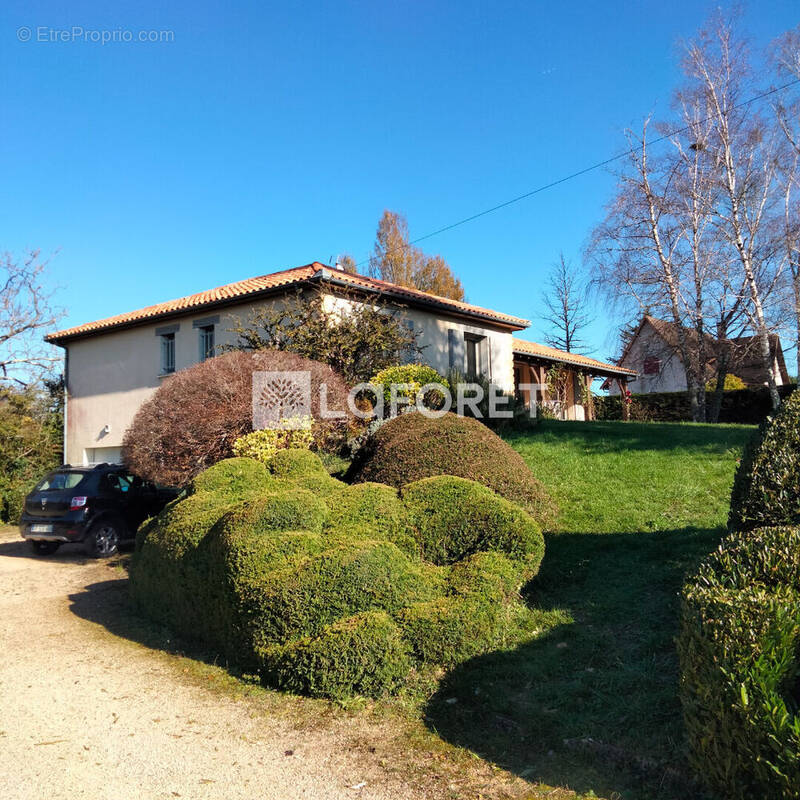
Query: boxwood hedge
[
  {"x": 415, "y": 446},
  {"x": 739, "y": 642},
  {"x": 340, "y": 590},
  {"x": 766, "y": 490},
  {"x": 739, "y": 648}
]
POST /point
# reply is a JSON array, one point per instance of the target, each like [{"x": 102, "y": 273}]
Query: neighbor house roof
[
  {"x": 252, "y": 288},
  {"x": 744, "y": 351},
  {"x": 545, "y": 353}
]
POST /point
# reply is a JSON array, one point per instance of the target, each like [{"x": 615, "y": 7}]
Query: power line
[{"x": 583, "y": 171}]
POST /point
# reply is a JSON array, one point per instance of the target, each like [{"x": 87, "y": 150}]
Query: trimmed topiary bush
[
  {"x": 297, "y": 464},
  {"x": 304, "y": 469},
  {"x": 374, "y": 509},
  {"x": 739, "y": 648},
  {"x": 170, "y": 584},
  {"x": 363, "y": 654},
  {"x": 766, "y": 490},
  {"x": 233, "y": 476},
  {"x": 452, "y": 518},
  {"x": 413, "y": 446},
  {"x": 414, "y": 377},
  {"x": 449, "y": 630},
  {"x": 338, "y": 591}
]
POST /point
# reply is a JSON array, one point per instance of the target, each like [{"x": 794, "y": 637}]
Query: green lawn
[{"x": 591, "y": 704}]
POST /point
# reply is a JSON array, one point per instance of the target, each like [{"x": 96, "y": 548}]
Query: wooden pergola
[{"x": 534, "y": 364}]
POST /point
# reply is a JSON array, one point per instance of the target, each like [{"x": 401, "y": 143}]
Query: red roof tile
[
  {"x": 284, "y": 279},
  {"x": 553, "y": 354}
]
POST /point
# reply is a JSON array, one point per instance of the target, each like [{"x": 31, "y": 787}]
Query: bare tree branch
[
  {"x": 566, "y": 299},
  {"x": 26, "y": 315}
]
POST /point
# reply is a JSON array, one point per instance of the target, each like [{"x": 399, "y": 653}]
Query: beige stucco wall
[
  {"x": 671, "y": 378},
  {"x": 110, "y": 375},
  {"x": 433, "y": 336}
]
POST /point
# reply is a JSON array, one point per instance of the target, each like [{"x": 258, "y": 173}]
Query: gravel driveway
[{"x": 87, "y": 714}]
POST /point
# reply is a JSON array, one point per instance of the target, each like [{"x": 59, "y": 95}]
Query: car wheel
[
  {"x": 44, "y": 548},
  {"x": 103, "y": 540}
]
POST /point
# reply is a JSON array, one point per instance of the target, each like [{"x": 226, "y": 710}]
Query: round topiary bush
[
  {"x": 453, "y": 518},
  {"x": 414, "y": 446},
  {"x": 739, "y": 649},
  {"x": 233, "y": 476},
  {"x": 297, "y": 464},
  {"x": 766, "y": 490},
  {"x": 408, "y": 379},
  {"x": 196, "y": 415},
  {"x": 342, "y": 591}
]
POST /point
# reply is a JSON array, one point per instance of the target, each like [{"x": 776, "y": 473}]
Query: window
[
  {"x": 167, "y": 353},
  {"x": 652, "y": 365},
  {"x": 474, "y": 363},
  {"x": 57, "y": 481},
  {"x": 117, "y": 482},
  {"x": 206, "y": 342},
  {"x": 472, "y": 358}
]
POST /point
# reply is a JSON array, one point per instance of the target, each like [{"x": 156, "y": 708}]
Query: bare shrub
[{"x": 195, "y": 416}]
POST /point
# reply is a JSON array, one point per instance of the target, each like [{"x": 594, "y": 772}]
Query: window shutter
[
  {"x": 457, "y": 350},
  {"x": 452, "y": 345},
  {"x": 486, "y": 357}
]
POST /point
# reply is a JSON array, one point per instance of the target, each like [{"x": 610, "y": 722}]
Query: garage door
[{"x": 101, "y": 455}]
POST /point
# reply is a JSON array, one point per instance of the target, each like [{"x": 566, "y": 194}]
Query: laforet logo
[{"x": 280, "y": 398}]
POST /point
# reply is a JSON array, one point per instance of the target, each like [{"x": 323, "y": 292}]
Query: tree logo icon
[{"x": 281, "y": 400}]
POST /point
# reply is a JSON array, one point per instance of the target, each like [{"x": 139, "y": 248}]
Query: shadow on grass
[{"x": 592, "y": 705}]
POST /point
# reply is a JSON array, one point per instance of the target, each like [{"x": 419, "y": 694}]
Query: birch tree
[
  {"x": 743, "y": 150},
  {"x": 786, "y": 54},
  {"x": 638, "y": 251}
]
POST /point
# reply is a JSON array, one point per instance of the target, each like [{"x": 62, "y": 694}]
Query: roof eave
[
  {"x": 322, "y": 275},
  {"x": 599, "y": 370},
  {"x": 226, "y": 301},
  {"x": 511, "y": 323}
]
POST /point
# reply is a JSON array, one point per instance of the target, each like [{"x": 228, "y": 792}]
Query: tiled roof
[
  {"x": 553, "y": 354},
  {"x": 275, "y": 281},
  {"x": 744, "y": 352}
]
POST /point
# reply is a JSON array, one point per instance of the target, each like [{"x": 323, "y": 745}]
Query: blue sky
[{"x": 268, "y": 135}]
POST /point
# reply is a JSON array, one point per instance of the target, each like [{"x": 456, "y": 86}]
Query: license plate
[{"x": 41, "y": 528}]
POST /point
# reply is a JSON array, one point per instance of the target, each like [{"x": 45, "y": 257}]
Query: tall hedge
[
  {"x": 766, "y": 489},
  {"x": 742, "y": 406},
  {"x": 331, "y": 589},
  {"x": 739, "y": 649}
]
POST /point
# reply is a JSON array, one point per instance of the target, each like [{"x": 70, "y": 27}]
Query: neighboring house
[
  {"x": 654, "y": 353},
  {"x": 112, "y": 366}
]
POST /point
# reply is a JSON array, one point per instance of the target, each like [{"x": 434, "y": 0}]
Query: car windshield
[{"x": 56, "y": 481}]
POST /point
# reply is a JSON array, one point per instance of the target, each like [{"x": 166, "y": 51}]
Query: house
[
  {"x": 113, "y": 365},
  {"x": 654, "y": 353}
]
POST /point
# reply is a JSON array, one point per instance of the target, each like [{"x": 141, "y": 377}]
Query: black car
[{"x": 100, "y": 506}]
